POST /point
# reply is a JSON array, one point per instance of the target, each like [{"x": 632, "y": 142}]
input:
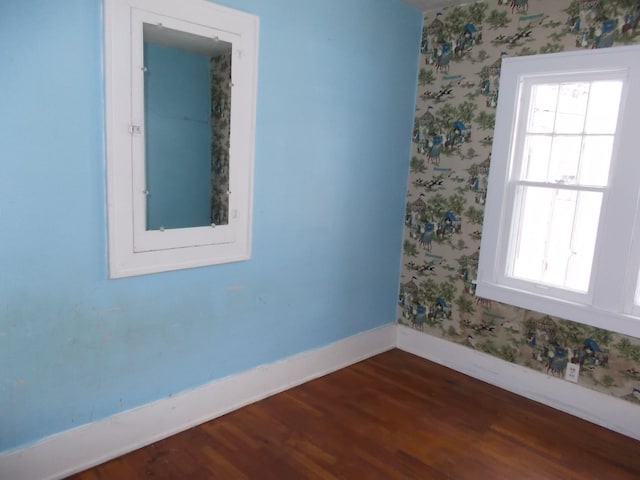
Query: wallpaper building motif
[{"x": 459, "y": 78}]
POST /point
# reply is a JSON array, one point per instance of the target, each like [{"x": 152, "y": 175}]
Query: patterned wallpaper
[
  {"x": 458, "y": 83},
  {"x": 220, "y": 80}
]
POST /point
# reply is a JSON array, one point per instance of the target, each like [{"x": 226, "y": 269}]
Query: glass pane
[
  {"x": 596, "y": 160},
  {"x": 565, "y": 158},
  {"x": 530, "y": 235},
  {"x": 537, "y": 151},
  {"x": 572, "y": 107},
  {"x": 604, "y": 104},
  {"x": 558, "y": 236},
  {"x": 187, "y": 91},
  {"x": 543, "y": 108},
  {"x": 555, "y": 236}
]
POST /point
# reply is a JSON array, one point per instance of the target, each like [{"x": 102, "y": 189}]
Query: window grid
[{"x": 561, "y": 262}]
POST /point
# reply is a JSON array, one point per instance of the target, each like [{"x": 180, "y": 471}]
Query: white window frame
[
  {"x": 134, "y": 250},
  {"x": 609, "y": 302}
]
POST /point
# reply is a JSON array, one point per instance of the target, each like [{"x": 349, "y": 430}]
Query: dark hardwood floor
[{"x": 392, "y": 416}]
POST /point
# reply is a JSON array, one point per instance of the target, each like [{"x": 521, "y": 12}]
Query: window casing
[
  {"x": 560, "y": 233},
  {"x": 185, "y": 27}
]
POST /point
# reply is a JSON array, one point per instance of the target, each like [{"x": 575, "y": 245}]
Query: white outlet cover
[{"x": 572, "y": 371}]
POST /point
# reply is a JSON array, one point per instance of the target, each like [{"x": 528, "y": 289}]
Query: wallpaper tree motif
[{"x": 459, "y": 78}]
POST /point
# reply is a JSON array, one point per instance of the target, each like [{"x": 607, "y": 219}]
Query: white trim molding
[
  {"x": 204, "y": 27},
  {"x": 604, "y": 410},
  {"x": 596, "y": 268},
  {"x": 80, "y": 448}
]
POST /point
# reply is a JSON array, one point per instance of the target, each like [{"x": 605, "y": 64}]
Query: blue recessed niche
[{"x": 180, "y": 105}]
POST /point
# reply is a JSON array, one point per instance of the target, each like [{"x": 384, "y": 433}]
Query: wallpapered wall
[
  {"x": 220, "y": 80},
  {"x": 458, "y": 81}
]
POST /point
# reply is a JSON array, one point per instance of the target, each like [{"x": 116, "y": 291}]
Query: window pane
[
  {"x": 604, "y": 104},
  {"x": 537, "y": 150},
  {"x": 565, "y": 158},
  {"x": 555, "y": 236},
  {"x": 572, "y": 107},
  {"x": 530, "y": 233},
  {"x": 596, "y": 159},
  {"x": 558, "y": 237},
  {"x": 543, "y": 108}
]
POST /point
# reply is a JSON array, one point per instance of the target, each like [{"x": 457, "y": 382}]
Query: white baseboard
[
  {"x": 74, "y": 450},
  {"x": 610, "y": 412}
]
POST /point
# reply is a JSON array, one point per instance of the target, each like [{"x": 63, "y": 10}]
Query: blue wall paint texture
[
  {"x": 335, "y": 110},
  {"x": 177, "y": 137}
]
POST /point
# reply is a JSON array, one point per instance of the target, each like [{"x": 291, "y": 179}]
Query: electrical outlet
[{"x": 572, "y": 371}]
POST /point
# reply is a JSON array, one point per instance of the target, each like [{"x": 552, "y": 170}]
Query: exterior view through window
[{"x": 566, "y": 153}]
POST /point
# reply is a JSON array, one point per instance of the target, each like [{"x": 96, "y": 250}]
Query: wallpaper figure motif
[{"x": 461, "y": 55}]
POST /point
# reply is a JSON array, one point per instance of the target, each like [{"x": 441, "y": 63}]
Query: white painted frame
[
  {"x": 609, "y": 302},
  {"x": 133, "y": 250}
]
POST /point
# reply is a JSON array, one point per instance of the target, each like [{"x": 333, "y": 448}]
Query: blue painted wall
[
  {"x": 335, "y": 112},
  {"x": 177, "y": 137}
]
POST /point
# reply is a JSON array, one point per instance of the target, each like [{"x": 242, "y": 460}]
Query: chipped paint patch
[{"x": 234, "y": 288}]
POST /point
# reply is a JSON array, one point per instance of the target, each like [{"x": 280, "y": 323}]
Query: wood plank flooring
[{"x": 392, "y": 416}]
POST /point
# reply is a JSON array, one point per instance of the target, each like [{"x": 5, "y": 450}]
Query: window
[
  {"x": 561, "y": 231},
  {"x": 180, "y": 91}
]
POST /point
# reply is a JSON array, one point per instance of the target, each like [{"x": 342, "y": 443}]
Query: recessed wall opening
[{"x": 187, "y": 98}]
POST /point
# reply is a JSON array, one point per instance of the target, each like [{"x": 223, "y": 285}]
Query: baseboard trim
[
  {"x": 80, "y": 448},
  {"x": 604, "y": 410},
  {"x": 74, "y": 450}
]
